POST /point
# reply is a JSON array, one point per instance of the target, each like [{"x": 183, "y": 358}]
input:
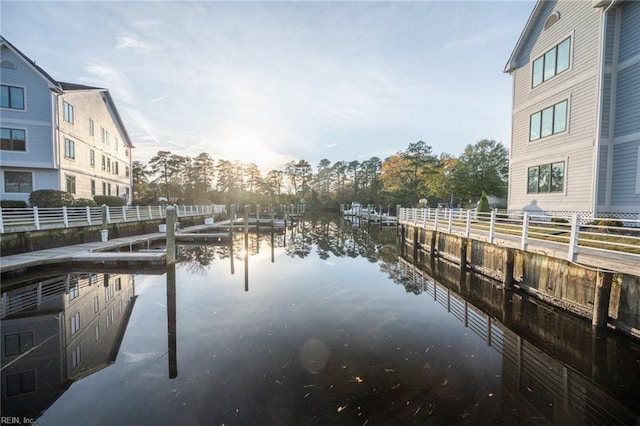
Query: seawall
[{"x": 606, "y": 298}]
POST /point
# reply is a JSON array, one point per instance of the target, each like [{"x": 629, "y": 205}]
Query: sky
[{"x": 273, "y": 82}]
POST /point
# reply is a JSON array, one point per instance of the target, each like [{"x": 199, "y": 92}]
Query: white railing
[
  {"x": 523, "y": 229},
  {"x": 36, "y": 219}
]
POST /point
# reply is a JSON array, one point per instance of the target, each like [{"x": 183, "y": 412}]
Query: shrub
[
  {"x": 12, "y": 204},
  {"x": 109, "y": 200},
  {"x": 85, "y": 202},
  {"x": 483, "y": 204},
  {"x": 606, "y": 222},
  {"x": 51, "y": 198},
  {"x": 559, "y": 220}
]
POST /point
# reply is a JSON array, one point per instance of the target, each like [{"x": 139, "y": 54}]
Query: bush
[
  {"x": 85, "y": 202},
  {"x": 483, "y": 204},
  {"x": 12, "y": 204},
  {"x": 109, "y": 200},
  {"x": 559, "y": 220},
  {"x": 51, "y": 198},
  {"x": 606, "y": 222}
]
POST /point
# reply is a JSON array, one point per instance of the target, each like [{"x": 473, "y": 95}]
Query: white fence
[
  {"x": 35, "y": 219},
  {"x": 524, "y": 229}
]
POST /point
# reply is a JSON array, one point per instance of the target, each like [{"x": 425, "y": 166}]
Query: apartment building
[
  {"x": 575, "y": 142},
  {"x": 58, "y": 135}
]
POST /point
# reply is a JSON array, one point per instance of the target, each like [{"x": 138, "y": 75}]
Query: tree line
[{"x": 409, "y": 177}]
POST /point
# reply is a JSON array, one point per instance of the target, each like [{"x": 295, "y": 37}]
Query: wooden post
[
  {"x": 463, "y": 255},
  {"x": 573, "y": 243},
  {"x": 525, "y": 231},
  {"x": 105, "y": 215},
  {"x": 601, "y": 299},
  {"x": 415, "y": 245},
  {"x": 507, "y": 279},
  {"x": 246, "y": 248},
  {"x": 434, "y": 235},
  {"x": 171, "y": 235}
]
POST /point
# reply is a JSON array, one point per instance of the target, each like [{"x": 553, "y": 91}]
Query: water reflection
[
  {"x": 58, "y": 330},
  {"x": 562, "y": 369},
  {"x": 323, "y": 337}
]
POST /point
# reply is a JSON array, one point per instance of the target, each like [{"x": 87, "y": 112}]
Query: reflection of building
[
  {"x": 58, "y": 330},
  {"x": 58, "y": 135},
  {"x": 574, "y": 380}
]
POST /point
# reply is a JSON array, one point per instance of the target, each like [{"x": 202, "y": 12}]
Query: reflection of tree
[
  {"x": 195, "y": 258},
  {"x": 326, "y": 235}
]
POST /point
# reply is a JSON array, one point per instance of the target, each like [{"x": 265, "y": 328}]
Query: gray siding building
[
  {"x": 575, "y": 142},
  {"x": 58, "y": 135}
]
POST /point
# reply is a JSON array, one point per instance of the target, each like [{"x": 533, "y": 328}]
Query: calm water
[{"x": 323, "y": 324}]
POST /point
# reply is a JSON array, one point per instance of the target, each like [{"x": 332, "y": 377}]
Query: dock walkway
[{"x": 103, "y": 251}]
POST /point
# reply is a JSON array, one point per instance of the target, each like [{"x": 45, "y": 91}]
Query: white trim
[
  {"x": 638, "y": 173},
  {"x": 631, "y": 137},
  {"x": 24, "y": 100},
  {"x": 544, "y": 96},
  {"x": 634, "y": 60}
]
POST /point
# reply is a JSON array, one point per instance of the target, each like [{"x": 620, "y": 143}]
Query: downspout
[{"x": 596, "y": 168}]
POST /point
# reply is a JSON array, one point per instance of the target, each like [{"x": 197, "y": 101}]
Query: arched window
[{"x": 552, "y": 19}]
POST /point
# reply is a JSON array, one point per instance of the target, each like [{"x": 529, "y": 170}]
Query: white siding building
[
  {"x": 575, "y": 143},
  {"x": 58, "y": 135}
]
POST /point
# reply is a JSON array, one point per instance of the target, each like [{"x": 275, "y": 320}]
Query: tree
[
  {"x": 483, "y": 166},
  {"x": 203, "y": 172},
  {"x": 409, "y": 175}
]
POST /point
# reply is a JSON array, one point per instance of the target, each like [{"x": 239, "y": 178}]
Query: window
[
  {"x": 93, "y": 187},
  {"x": 21, "y": 382},
  {"x": 104, "y": 163},
  {"x": 108, "y": 165},
  {"x": 102, "y": 135},
  {"x": 13, "y": 140},
  {"x": 74, "y": 288},
  {"x": 70, "y": 183},
  {"x": 108, "y": 189},
  {"x": 97, "y": 332},
  {"x": 552, "y": 63},
  {"x": 96, "y": 304},
  {"x": 11, "y": 97},
  {"x": 69, "y": 149},
  {"x": 92, "y": 158},
  {"x": 75, "y": 357},
  {"x": 104, "y": 188},
  {"x": 108, "y": 138},
  {"x": 115, "y": 167},
  {"x": 18, "y": 343},
  {"x": 74, "y": 322},
  {"x": 18, "y": 182},
  {"x": 67, "y": 112},
  {"x": 91, "y": 127},
  {"x": 126, "y": 171},
  {"x": 548, "y": 122},
  {"x": 116, "y": 144},
  {"x": 546, "y": 178}
]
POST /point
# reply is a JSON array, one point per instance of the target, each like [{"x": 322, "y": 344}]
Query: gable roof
[
  {"x": 511, "y": 63},
  {"x": 535, "y": 13},
  {"x": 53, "y": 84},
  {"x": 64, "y": 87}
]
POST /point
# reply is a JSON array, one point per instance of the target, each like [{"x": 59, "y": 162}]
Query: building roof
[
  {"x": 511, "y": 63},
  {"x": 53, "y": 83},
  {"x": 65, "y": 87}
]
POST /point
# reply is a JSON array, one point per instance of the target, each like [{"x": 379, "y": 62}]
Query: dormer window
[{"x": 553, "y": 62}]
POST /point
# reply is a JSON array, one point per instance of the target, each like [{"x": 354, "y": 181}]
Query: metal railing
[
  {"x": 523, "y": 229},
  {"x": 36, "y": 219}
]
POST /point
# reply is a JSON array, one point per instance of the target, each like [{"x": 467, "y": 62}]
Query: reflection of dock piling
[{"x": 171, "y": 322}]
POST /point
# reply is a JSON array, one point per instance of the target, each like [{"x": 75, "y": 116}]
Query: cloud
[
  {"x": 112, "y": 79},
  {"x": 130, "y": 43},
  {"x": 478, "y": 39}
]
